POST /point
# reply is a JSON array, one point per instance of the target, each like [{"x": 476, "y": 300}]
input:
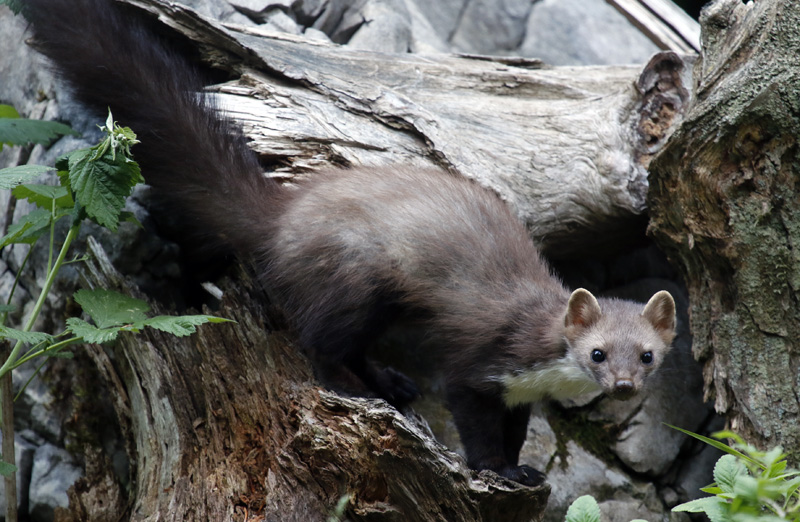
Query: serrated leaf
[
  {"x": 44, "y": 195},
  {"x": 108, "y": 308},
  {"x": 583, "y": 509},
  {"x": 13, "y": 176},
  {"x": 20, "y": 131},
  {"x": 7, "y": 469},
  {"x": 28, "y": 229},
  {"x": 182, "y": 325},
  {"x": 91, "y": 333},
  {"x": 101, "y": 182},
  {"x": 727, "y": 469},
  {"x": 26, "y": 337}
]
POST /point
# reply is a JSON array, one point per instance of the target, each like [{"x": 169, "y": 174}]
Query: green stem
[
  {"x": 16, "y": 282},
  {"x": 30, "y": 380},
  {"x": 51, "y": 277},
  {"x": 52, "y": 235},
  {"x": 51, "y": 348}
]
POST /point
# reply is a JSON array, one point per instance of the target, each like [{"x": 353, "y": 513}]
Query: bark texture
[
  {"x": 566, "y": 147},
  {"x": 725, "y": 203}
]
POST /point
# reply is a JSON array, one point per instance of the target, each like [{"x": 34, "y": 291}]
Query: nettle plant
[
  {"x": 750, "y": 485},
  {"x": 94, "y": 184}
]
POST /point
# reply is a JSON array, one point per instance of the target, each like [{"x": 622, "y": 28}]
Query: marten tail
[{"x": 197, "y": 161}]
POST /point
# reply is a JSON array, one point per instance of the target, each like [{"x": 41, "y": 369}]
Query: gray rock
[
  {"x": 218, "y": 10},
  {"x": 316, "y": 34},
  {"x": 54, "y": 471},
  {"x": 583, "y": 32},
  {"x": 278, "y": 20},
  {"x": 491, "y": 27},
  {"x": 620, "y": 497},
  {"x": 443, "y": 15},
  {"x": 20, "y": 67},
  {"x": 383, "y": 26}
]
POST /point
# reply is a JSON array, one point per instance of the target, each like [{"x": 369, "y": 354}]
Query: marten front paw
[
  {"x": 524, "y": 475},
  {"x": 396, "y": 388}
]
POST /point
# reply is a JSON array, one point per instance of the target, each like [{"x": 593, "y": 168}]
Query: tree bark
[{"x": 725, "y": 204}]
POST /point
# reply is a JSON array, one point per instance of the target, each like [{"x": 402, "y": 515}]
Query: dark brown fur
[{"x": 349, "y": 250}]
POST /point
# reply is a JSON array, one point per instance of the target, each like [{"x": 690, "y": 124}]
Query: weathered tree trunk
[{"x": 725, "y": 203}]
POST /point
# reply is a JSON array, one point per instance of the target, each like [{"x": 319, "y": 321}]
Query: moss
[{"x": 574, "y": 425}]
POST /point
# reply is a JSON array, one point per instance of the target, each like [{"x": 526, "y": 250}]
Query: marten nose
[{"x": 624, "y": 389}]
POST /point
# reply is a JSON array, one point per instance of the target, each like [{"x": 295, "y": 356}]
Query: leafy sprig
[
  {"x": 750, "y": 485},
  {"x": 95, "y": 183}
]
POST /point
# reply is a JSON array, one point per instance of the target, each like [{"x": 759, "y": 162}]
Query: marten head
[{"x": 618, "y": 342}]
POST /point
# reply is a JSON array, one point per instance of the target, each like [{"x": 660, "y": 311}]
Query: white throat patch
[{"x": 559, "y": 379}]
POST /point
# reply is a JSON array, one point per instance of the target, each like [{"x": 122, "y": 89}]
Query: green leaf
[
  {"x": 20, "y": 131},
  {"x": 792, "y": 486},
  {"x": 726, "y": 471},
  {"x": 28, "y": 229},
  {"x": 719, "y": 445},
  {"x": 26, "y": 337},
  {"x": 44, "y": 195},
  {"x": 108, "y": 308},
  {"x": 7, "y": 469},
  {"x": 13, "y": 176},
  {"x": 91, "y": 333},
  {"x": 772, "y": 460},
  {"x": 181, "y": 326},
  {"x": 7, "y": 111},
  {"x": 583, "y": 509},
  {"x": 713, "y": 507},
  {"x": 7, "y": 308},
  {"x": 747, "y": 488},
  {"x": 15, "y": 5},
  {"x": 100, "y": 182},
  {"x": 129, "y": 217}
]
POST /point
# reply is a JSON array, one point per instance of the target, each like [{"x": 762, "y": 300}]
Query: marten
[{"x": 348, "y": 250}]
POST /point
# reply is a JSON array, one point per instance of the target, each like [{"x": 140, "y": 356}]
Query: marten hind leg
[{"x": 338, "y": 341}]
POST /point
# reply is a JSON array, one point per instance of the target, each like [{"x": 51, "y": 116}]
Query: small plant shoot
[
  {"x": 94, "y": 184},
  {"x": 750, "y": 485}
]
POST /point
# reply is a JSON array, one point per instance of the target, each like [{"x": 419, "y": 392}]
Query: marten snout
[{"x": 624, "y": 389}]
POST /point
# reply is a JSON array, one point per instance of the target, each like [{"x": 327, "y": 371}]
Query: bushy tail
[{"x": 194, "y": 159}]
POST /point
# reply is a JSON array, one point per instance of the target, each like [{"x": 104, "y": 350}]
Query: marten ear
[
  {"x": 583, "y": 310},
  {"x": 660, "y": 312}
]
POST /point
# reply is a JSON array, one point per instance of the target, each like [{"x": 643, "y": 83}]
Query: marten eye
[
  {"x": 598, "y": 356},
  {"x": 647, "y": 358}
]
